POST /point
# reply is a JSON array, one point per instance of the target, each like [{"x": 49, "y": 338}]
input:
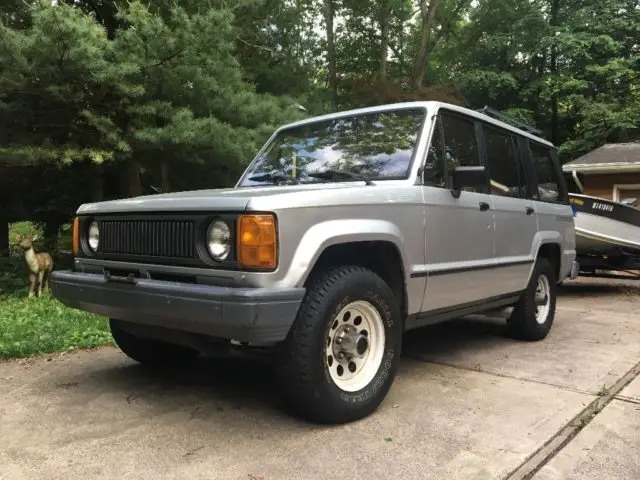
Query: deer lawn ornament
[{"x": 39, "y": 264}]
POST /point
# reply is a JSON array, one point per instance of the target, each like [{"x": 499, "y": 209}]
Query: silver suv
[{"x": 344, "y": 232}]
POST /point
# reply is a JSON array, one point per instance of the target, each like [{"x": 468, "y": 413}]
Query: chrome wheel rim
[
  {"x": 542, "y": 299},
  {"x": 355, "y": 346}
]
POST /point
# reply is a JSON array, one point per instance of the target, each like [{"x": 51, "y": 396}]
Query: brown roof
[{"x": 609, "y": 157}]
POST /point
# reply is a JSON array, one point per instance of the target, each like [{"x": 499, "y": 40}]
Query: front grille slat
[{"x": 149, "y": 238}]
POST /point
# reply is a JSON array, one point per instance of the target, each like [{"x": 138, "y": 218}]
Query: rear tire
[
  {"x": 530, "y": 320},
  {"x": 150, "y": 352},
  {"x": 341, "y": 355}
]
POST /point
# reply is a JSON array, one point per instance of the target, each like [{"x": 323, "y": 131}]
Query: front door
[{"x": 459, "y": 231}]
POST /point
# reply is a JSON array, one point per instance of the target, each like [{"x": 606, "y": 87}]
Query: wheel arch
[
  {"x": 383, "y": 257},
  {"x": 552, "y": 251}
]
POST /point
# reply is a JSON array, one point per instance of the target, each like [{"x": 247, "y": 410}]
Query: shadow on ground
[
  {"x": 601, "y": 288},
  {"x": 247, "y": 384}
]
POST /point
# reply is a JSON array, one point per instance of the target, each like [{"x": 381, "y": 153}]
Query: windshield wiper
[
  {"x": 329, "y": 174},
  {"x": 277, "y": 178}
]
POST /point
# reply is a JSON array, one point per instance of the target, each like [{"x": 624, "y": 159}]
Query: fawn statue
[{"x": 39, "y": 264}]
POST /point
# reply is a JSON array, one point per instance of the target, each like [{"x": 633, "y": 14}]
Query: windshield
[{"x": 378, "y": 146}]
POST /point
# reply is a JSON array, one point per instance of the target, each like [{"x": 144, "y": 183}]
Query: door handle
[
  {"x": 484, "y": 206},
  {"x": 530, "y": 211}
]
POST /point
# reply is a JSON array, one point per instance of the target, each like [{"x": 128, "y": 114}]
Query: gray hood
[{"x": 223, "y": 199}]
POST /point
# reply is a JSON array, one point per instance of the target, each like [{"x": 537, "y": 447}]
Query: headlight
[
  {"x": 94, "y": 236},
  {"x": 219, "y": 240}
]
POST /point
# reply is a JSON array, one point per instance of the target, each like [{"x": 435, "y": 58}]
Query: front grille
[{"x": 149, "y": 238}]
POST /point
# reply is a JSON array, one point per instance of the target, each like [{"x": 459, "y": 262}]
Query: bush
[{"x": 13, "y": 275}]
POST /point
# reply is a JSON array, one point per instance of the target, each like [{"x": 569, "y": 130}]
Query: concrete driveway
[{"x": 469, "y": 403}]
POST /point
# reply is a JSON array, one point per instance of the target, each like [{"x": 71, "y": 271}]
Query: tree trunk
[
  {"x": 4, "y": 236},
  {"x": 98, "y": 189},
  {"x": 51, "y": 231},
  {"x": 555, "y": 7},
  {"x": 164, "y": 176},
  {"x": 537, "y": 113},
  {"x": 384, "y": 41},
  {"x": 427, "y": 12},
  {"x": 134, "y": 187},
  {"x": 400, "y": 53},
  {"x": 331, "y": 52},
  {"x": 447, "y": 26}
]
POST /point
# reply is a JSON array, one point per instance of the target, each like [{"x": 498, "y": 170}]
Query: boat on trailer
[{"x": 607, "y": 233}]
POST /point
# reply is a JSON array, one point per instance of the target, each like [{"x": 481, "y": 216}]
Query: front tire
[
  {"x": 533, "y": 316},
  {"x": 341, "y": 355},
  {"x": 150, "y": 352}
]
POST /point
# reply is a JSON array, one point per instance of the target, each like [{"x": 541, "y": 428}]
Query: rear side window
[
  {"x": 461, "y": 144},
  {"x": 548, "y": 182},
  {"x": 506, "y": 173}
]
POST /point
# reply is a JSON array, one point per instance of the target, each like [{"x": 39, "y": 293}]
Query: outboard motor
[{"x": 632, "y": 202}]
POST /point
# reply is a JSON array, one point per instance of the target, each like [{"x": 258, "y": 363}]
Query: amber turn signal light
[
  {"x": 76, "y": 237},
  {"x": 257, "y": 245}
]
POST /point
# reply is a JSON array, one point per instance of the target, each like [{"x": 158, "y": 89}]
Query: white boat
[{"x": 607, "y": 230}]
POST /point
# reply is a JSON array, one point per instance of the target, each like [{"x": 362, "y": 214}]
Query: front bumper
[{"x": 254, "y": 315}]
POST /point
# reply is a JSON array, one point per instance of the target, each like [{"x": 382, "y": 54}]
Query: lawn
[{"x": 38, "y": 325}]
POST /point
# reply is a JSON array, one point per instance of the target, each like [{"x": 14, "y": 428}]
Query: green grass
[{"x": 39, "y": 325}]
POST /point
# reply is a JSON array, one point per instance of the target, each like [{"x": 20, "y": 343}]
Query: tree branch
[
  {"x": 254, "y": 45},
  {"x": 170, "y": 57}
]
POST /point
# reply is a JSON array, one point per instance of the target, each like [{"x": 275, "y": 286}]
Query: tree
[
  {"x": 329, "y": 13},
  {"x": 427, "y": 16},
  {"x": 194, "y": 104}
]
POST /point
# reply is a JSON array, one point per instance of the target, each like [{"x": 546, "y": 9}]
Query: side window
[
  {"x": 507, "y": 176},
  {"x": 461, "y": 144},
  {"x": 434, "y": 172},
  {"x": 548, "y": 187}
]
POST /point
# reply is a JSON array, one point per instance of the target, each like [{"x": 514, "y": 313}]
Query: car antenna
[{"x": 498, "y": 115}]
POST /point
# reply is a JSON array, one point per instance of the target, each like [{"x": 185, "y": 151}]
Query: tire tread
[
  {"x": 522, "y": 323},
  {"x": 295, "y": 369}
]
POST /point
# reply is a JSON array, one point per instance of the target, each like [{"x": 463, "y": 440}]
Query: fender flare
[
  {"x": 545, "y": 238},
  {"x": 334, "y": 232}
]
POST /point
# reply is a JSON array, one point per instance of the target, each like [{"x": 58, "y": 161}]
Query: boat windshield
[{"x": 369, "y": 146}]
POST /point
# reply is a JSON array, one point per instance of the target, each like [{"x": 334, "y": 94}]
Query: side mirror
[{"x": 469, "y": 177}]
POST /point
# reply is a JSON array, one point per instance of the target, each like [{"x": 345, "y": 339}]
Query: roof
[
  {"x": 430, "y": 106},
  {"x": 611, "y": 157}
]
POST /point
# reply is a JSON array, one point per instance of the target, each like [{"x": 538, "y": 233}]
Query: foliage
[
  {"x": 102, "y": 99},
  {"x": 572, "y": 67},
  {"x": 12, "y": 275},
  {"x": 37, "y": 325},
  {"x": 159, "y": 87}
]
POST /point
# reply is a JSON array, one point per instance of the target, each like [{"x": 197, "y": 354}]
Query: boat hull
[{"x": 605, "y": 227}]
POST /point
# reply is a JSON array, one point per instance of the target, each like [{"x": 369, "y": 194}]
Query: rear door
[
  {"x": 555, "y": 216},
  {"x": 516, "y": 222}
]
